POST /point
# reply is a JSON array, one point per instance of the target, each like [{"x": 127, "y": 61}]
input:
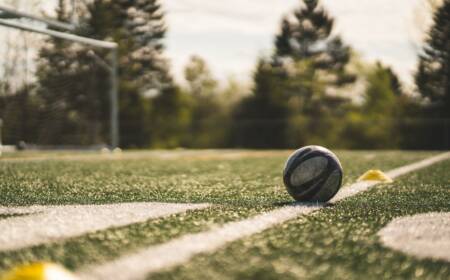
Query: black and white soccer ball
[{"x": 313, "y": 174}]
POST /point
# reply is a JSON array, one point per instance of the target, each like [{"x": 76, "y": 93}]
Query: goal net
[{"x": 54, "y": 92}]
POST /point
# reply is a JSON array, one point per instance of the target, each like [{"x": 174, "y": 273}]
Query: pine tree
[
  {"x": 433, "y": 74},
  {"x": 396, "y": 84},
  {"x": 291, "y": 86},
  {"x": 374, "y": 124},
  {"x": 202, "y": 90},
  {"x": 316, "y": 64},
  {"x": 307, "y": 35},
  {"x": 261, "y": 120},
  {"x": 433, "y": 82},
  {"x": 72, "y": 112},
  {"x": 139, "y": 29}
]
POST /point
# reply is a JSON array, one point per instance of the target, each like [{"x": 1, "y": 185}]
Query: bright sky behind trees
[{"x": 231, "y": 34}]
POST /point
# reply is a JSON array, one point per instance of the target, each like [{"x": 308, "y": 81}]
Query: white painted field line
[
  {"x": 46, "y": 224},
  {"x": 178, "y": 251},
  {"x": 394, "y": 173},
  {"x": 422, "y": 235}
]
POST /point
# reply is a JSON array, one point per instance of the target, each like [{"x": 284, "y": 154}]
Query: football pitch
[{"x": 169, "y": 199}]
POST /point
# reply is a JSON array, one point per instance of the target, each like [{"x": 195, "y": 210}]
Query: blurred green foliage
[{"x": 313, "y": 89}]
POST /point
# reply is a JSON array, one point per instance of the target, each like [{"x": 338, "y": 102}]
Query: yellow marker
[
  {"x": 375, "y": 175},
  {"x": 39, "y": 271}
]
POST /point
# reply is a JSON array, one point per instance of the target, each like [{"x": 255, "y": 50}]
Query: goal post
[
  {"x": 7, "y": 19},
  {"x": 1, "y": 145}
]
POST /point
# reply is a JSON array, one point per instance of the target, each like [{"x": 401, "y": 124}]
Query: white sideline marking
[
  {"x": 53, "y": 223},
  {"x": 175, "y": 252},
  {"x": 423, "y": 235},
  {"x": 394, "y": 173}
]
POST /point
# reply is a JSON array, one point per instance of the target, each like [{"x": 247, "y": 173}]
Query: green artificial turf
[
  {"x": 238, "y": 184},
  {"x": 108, "y": 244},
  {"x": 338, "y": 242},
  {"x": 247, "y": 181}
]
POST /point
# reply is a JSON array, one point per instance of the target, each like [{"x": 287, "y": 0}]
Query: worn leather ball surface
[{"x": 313, "y": 174}]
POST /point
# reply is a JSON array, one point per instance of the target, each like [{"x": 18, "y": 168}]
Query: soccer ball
[{"x": 313, "y": 174}]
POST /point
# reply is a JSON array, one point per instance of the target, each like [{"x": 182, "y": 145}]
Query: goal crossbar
[
  {"x": 61, "y": 35},
  {"x": 10, "y": 13}
]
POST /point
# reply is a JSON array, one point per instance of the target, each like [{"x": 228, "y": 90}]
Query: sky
[{"x": 231, "y": 34}]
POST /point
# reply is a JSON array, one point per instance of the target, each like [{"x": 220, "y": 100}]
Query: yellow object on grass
[
  {"x": 39, "y": 271},
  {"x": 375, "y": 175}
]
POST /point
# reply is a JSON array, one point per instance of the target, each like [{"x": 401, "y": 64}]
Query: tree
[
  {"x": 208, "y": 120},
  {"x": 396, "y": 84},
  {"x": 170, "y": 119},
  {"x": 433, "y": 74},
  {"x": 17, "y": 48},
  {"x": 18, "y": 105},
  {"x": 199, "y": 78},
  {"x": 290, "y": 102},
  {"x": 433, "y": 80},
  {"x": 314, "y": 114},
  {"x": 139, "y": 29},
  {"x": 307, "y": 35},
  {"x": 316, "y": 61},
  {"x": 261, "y": 119},
  {"x": 71, "y": 112},
  {"x": 374, "y": 125}
]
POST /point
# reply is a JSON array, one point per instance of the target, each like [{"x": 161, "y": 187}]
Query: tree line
[{"x": 312, "y": 89}]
